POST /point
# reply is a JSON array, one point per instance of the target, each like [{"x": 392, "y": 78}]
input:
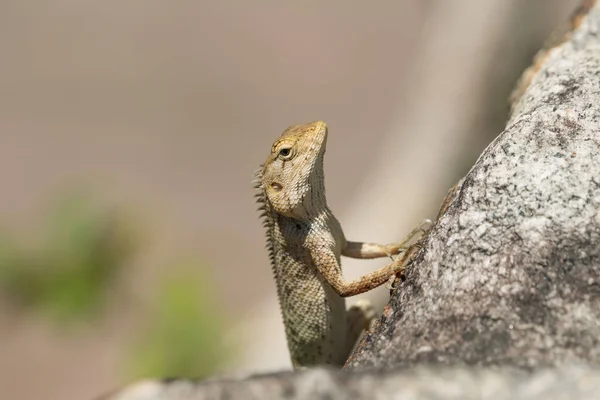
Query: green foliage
[
  {"x": 68, "y": 274},
  {"x": 184, "y": 337}
]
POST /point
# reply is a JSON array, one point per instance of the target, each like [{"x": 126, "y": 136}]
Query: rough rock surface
[
  {"x": 503, "y": 301},
  {"x": 510, "y": 274},
  {"x": 422, "y": 383}
]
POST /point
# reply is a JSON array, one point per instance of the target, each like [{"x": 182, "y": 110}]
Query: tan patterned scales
[{"x": 305, "y": 242}]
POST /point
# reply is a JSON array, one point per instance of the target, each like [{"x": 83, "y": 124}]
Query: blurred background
[{"x": 129, "y": 133}]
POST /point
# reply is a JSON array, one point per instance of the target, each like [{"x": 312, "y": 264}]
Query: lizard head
[{"x": 292, "y": 177}]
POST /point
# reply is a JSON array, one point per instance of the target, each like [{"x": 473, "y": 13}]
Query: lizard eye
[{"x": 285, "y": 153}]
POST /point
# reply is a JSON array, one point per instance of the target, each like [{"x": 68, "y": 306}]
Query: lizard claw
[
  {"x": 425, "y": 225},
  {"x": 390, "y": 284}
]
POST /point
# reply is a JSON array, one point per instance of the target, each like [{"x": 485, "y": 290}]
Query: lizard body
[{"x": 305, "y": 242}]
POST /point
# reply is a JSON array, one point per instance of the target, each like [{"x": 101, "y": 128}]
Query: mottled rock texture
[
  {"x": 421, "y": 383},
  {"x": 510, "y": 274}
]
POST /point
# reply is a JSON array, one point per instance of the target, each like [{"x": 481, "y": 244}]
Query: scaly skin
[{"x": 305, "y": 242}]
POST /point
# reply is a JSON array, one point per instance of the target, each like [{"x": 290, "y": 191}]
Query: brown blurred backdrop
[{"x": 163, "y": 110}]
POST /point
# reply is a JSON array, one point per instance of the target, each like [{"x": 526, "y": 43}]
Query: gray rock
[
  {"x": 421, "y": 383},
  {"x": 510, "y": 274}
]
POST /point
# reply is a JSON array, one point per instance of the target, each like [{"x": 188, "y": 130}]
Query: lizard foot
[
  {"x": 359, "y": 319},
  {"x": 403, "y": 246}
]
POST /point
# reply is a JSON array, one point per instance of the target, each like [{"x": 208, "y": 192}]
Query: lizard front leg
[
  {"x": 373, "y": 250},
  {"x": 328, "y": 266}
]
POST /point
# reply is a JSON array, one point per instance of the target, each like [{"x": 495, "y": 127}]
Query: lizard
[{"x": 305, "y": 242}]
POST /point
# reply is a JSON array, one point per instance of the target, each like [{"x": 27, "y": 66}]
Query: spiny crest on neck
[{"x": 265, "y": 213}]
